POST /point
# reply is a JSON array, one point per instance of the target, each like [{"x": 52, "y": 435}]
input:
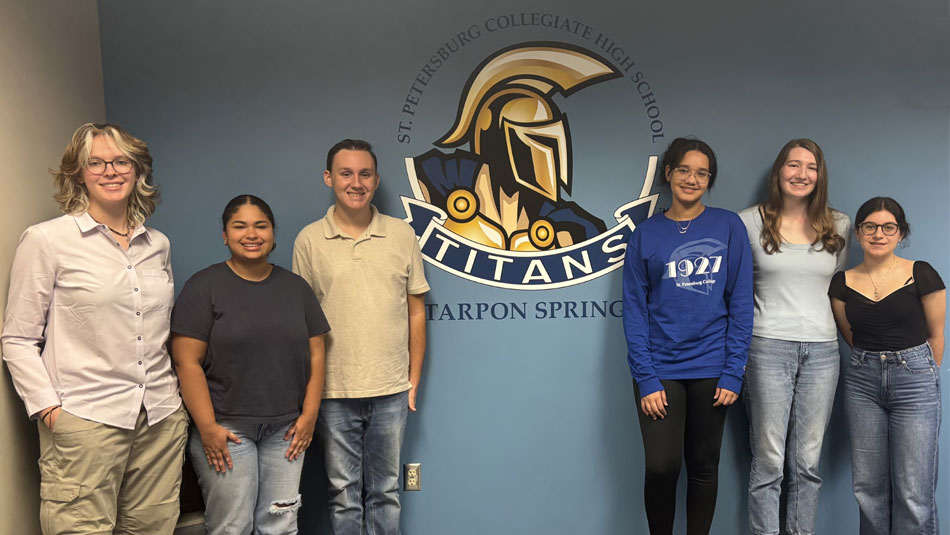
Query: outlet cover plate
[{"x": 412, "y": 476}]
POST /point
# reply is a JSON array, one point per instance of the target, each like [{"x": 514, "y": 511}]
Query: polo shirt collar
[
  {"x": 86, "y": 223},
  {"x": 377, "y": 227}
]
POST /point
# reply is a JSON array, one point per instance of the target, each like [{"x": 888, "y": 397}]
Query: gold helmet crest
[{"x": 507, "y": 113}]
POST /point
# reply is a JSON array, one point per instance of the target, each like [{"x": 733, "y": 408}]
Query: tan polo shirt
[{"x": 362, "y": 285}]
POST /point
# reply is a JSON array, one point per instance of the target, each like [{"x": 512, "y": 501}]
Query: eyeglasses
[
  {"x": 120, "y": 165},
  {"x": 683, "y": 173},
  {"x": 868, "y": 229}
]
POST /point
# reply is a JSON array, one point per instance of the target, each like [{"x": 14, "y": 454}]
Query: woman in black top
[
  {"x": 248, "y": 345},
  {"x": 891, "y": 312}
]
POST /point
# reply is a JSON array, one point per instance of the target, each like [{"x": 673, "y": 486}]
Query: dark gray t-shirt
[{"x": 258, "y": 335}]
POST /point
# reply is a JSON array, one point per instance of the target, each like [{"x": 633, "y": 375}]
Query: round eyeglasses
[
  {"x": 867, "y": 228},
  {"x": 683, "y": 173},
  {"x": 120, "y": 165}
]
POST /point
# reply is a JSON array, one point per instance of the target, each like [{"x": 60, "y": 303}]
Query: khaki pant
[{"x": 99, "y": 479}]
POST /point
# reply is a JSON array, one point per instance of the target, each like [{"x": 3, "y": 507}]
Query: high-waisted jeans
[{"x": 892, "y": 400}]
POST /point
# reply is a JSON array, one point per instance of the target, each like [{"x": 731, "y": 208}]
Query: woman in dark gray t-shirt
[{"x": 248, "y": 345}]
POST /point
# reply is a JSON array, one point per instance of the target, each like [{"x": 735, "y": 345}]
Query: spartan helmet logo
[
  {"x": 505, "y": 191},
  {"x": 510, "y": 119}
]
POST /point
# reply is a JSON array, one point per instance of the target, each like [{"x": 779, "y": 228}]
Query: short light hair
[{"x": 71, "y": 193}]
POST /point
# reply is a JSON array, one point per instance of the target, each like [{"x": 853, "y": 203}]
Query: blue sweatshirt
[{"x": 687, "y": 300}]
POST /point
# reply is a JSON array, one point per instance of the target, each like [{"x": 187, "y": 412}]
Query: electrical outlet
[{"x": 412, "y": 476}]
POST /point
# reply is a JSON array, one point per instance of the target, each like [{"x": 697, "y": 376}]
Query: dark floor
[{"x": 190, "y": 524}]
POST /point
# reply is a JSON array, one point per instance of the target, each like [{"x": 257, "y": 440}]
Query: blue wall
[{"x": 528, "y": 425}]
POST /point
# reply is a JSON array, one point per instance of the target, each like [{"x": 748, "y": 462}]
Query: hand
[
  {"x": 412, "y": 397},
  {"x": 302, "y": 433},
  {"x": 215, "y": 441},
  {"x": 654, "y": 405},
  {"x": 724, "y": 397},
  {"x": 49, "y": 420}
]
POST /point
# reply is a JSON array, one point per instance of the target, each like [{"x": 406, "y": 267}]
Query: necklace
[
  {"x": 114, "y": 231},
  {"x": 877, "y": 295},
  {"x": 683, "y": 229}
]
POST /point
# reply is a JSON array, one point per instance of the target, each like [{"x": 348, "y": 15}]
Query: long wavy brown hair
[{"x": 820, "y": 215}]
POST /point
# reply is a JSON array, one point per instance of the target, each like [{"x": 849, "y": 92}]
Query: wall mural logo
[{"x": 489, "y": 199}]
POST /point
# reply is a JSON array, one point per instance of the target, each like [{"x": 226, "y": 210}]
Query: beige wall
[{"x": 50, "y": 83}]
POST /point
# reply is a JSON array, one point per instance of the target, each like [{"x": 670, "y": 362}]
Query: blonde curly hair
[{"x": 72, "y": 196}]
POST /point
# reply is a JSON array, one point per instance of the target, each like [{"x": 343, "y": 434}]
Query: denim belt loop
[
  {"x": 860, "y": 353},
  {"x": 899, "y": 356}
]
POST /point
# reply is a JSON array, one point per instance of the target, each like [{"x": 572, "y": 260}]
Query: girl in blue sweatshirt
[{"x": 687, "y": 314}]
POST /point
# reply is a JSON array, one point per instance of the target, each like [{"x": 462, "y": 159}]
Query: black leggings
[{"x": 692, "y": 430}]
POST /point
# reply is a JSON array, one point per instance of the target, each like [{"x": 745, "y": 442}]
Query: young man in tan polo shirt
[{"x": 366, "y": 269}]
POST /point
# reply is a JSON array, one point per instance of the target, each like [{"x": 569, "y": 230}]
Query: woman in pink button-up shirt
[{"x": 84, "y": 338}]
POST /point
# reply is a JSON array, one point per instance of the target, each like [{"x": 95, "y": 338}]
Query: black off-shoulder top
[{"x": 895, "y": 322}]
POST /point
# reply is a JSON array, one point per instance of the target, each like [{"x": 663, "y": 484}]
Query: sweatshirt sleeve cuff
[
  {"x": 730, "y": 382},
  {"x": 649, "y": 386}
]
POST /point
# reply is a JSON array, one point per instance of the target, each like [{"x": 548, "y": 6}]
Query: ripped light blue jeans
[{"x": 261, "y": 494}]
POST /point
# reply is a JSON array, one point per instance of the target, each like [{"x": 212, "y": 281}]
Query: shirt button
[
  {"x": 140, "y": 363},
  {"x": 141, "y": 386},
  {"x": 138, "y": 313},
  {"x": 135, "y": 289},
  {"x": 128, "y": 267},
  {"x": 138, "y": 338}
]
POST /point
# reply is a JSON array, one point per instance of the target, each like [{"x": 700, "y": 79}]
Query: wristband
[{"x": 48, "y": 412}]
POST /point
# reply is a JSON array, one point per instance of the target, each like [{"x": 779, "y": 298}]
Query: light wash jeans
[
  {"x": 361, "y": 440},
  {"x": 892, "y": 400},
  {"x": 789, "y": 392},
  {"x": 261, "y": 494}
]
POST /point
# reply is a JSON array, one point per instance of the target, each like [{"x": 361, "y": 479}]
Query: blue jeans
[
  {"x": 892, "y": 400},
  {"x": 789, "y": 392},
  {"x": 261, "y": 494},
  {"x": 361, "y": 440}
]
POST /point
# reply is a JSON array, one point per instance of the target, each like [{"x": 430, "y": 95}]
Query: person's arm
[
  {"x": 844, "y": 230},
  {"x": 636, "y": 327},
  {"x": 838, "y": 292},
  {"x": 739, "y": 304},
  {"x": 841, "y": 319},
  {"x": 302, "y": 429},
  {"x": 32, "y": 283},
  {"x": 935, "y": 311},
  {"x": 188, "y": 354},
  {"x": 417, "y": 343}
]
